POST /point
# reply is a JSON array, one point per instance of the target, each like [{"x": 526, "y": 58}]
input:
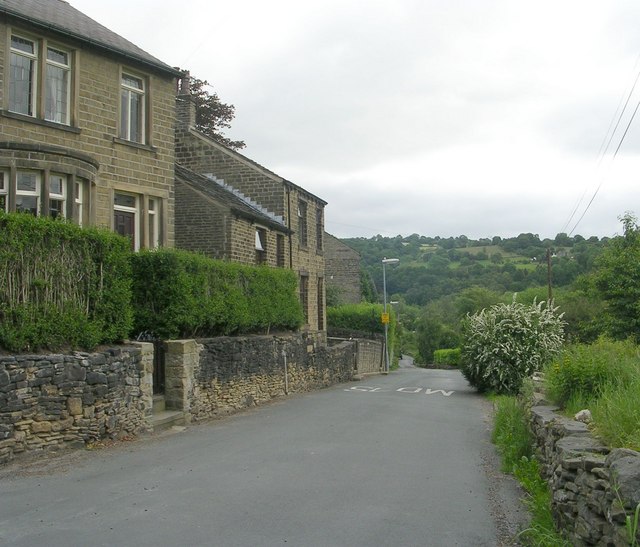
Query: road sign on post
[{"x": 385, "y": 318}]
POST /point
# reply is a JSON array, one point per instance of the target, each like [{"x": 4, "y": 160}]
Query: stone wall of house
[
  {"x": 97, "y": 157},
  {"x": 201, "y": 225},
  {"x": 342, "y": 270},
  {"x": 226, "y": 374},
  {"x": 51, "y": 401},
  {"x": 204, "y": 156},
  {"x": 594, "y": 488}
]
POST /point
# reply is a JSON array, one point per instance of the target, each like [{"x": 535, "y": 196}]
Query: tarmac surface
[{"x": 392, "y": 460}]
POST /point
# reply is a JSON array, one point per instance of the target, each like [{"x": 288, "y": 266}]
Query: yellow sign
[{"x": 385, "y": 318}]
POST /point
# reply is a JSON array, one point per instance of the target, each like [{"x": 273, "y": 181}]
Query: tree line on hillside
[
  {"x": 433, "y": 267},
  {"x": 439, "y": 282}
]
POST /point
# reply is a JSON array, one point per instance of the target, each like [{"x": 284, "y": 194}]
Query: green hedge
[
  {"x": 62, "y": 286},
  {"x": 357, "y": 317},
  {"x": 449, "y": 357},
  {"x": 179, "y": 294}
]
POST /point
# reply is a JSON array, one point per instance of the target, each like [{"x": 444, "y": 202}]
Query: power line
[
  {"x": 602, "y": 151},
  {"x": 608, "y": 138},
  {"x": 612, "y": 159}
]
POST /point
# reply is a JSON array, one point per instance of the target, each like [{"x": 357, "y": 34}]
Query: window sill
[
  {"x": 133, "y": 144},
  {"x": 39, "y": 121}
]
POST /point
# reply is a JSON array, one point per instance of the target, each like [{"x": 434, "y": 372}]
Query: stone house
[
  {"x": 224, "y": 224},
  {"x": 87, "y": 123},
  {"x": 342, "y": 271},
  {"x": 295, "y": 237}
]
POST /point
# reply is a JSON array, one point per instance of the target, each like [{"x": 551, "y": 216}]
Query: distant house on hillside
[
  {"x": 87, "y": 123},
  {"x": 342, "y": 270},
  {"x": 288, "y": 228}
]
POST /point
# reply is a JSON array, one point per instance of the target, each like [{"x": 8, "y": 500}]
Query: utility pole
[{"x": 550, "y": 293}]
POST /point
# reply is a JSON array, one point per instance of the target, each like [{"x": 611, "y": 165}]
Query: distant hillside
[{"x": 432, "y": 267}]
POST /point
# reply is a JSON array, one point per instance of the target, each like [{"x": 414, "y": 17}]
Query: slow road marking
[{"x": 410, "y": 390}]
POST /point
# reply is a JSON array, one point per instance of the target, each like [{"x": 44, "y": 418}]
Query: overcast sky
[{"x": 474, "y": 117}]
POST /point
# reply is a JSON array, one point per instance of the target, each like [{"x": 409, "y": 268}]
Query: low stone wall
[
  {"x": 594, "y": 488},
  {"x": 51, "y": 401},
  {"x": 370, "y": 356},
  {"x": 223, "y": 375}
]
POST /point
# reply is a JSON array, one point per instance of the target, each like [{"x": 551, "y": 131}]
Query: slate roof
[
  {"x": 255, "y": 164},
  {"x": 221, "y": 192},
  {"x": 60, "y": 16}
]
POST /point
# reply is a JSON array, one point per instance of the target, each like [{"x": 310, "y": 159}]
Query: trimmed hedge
[
  {"x": 356, "y": 317},
  {"x": 179, "y": 294},
  {"x": 449, "y": 357},
  {"x": 61, "y": 285}
]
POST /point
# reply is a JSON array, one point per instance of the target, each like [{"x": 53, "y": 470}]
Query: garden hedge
[
  {"x": 179, "y": 294},
  {"x": 62, "y": 286}
]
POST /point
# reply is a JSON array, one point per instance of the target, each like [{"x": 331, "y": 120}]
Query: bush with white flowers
[{"x": 507, "y": 343}]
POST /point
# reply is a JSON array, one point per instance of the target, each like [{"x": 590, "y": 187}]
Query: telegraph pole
[{"x": 550, "y": 293}]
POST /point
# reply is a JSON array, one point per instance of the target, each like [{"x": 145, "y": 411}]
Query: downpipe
[{"x": 286, "y": 373}]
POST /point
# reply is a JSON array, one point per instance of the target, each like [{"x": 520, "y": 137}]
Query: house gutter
[
  {"x": 290, "y": 229},
  {"x": 96, "y": 43}
]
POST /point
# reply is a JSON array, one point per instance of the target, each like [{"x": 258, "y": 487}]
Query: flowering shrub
[{"x": 507, "y": 343}]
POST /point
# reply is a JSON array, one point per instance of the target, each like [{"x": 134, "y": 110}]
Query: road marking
[
  {"x": 429, "y": 391},
  {"x": 409, "y": 390}
]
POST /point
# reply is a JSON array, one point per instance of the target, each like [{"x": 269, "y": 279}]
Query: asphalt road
[{"x": 402, "y": 459}]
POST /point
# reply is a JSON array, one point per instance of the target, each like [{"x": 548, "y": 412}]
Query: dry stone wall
[
  {"x": 223, "y": 375},
  {"x": 51, "y": 401},
  {"x": 594, "y": 488}
]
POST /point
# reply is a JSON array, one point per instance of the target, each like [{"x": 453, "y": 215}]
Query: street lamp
[{"x": 386, "y": 261}]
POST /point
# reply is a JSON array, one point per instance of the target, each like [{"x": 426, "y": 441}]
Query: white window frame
[
  {"x": 127, "y": 95},
  {"x": 49, "y": 95},
  {"x": 153, "y": 224},
  {"x": 4, "y": 191},
  {"x": 55, "y": 196},
  {"x": 79, "y": 200},
  {"x": 32, "y": 100},
  {"x": 30, "y": 193}
]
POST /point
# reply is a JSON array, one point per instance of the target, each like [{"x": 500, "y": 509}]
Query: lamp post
[{"x": 386, "y": 261}]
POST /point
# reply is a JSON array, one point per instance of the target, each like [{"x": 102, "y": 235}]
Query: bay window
[
  {"x": 57, "y": 195},
  {"x": 4, "y": 190},
  {"x": 28, "y": 192}
]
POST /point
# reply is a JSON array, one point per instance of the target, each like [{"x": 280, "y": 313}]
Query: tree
[
  {"x": 618, "y": 280},
  {"x": 212, "y": 115}
]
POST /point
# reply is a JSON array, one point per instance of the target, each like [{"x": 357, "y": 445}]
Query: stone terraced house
[
  {"x": 290, "y": 232},
  {"x": 342, "y": 267},
  {"x": 222, "y": 223},
  {"x": 90, "y": 130},
  {"x": 86, "y": 123}
]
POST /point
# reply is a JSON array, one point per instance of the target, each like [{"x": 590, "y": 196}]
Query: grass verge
[{"x": 515, "y": 445}]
